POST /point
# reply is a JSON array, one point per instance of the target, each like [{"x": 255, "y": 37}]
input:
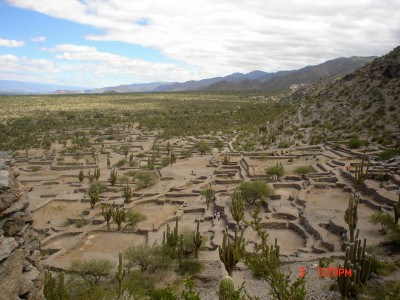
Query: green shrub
[
  {"x": 355, "y": 143},
  {"x": 389, "y": 153},
  {"x": 303, "y": 170}
]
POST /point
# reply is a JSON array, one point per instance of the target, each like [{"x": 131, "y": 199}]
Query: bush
[
  {"x": 355, "y": 143},
  {"x": 389, "y": 153},
  {"x": 277, "y": 171},
  {"x": 303, "y": 170},
  {"x": 190, "y": 267},
  {"x": 92, "y": 271}
]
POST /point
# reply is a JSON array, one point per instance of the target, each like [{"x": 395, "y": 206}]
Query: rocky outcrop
[{"x": 21, "y": 271}]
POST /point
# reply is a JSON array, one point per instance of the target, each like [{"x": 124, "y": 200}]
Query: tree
[
  {"x": 144, "y": 179},
  {"x": 384, "y": 219},
  {"x": 147, "y": 258},
  {"x": 93, "y": 270},
  {"x": 219, "y": 144},
  {"x": 202, "y": 147},
  {"x": 252, "y": 191},
  {"x": 275, "y": 171},
  {"x": 133, "y": 218}
]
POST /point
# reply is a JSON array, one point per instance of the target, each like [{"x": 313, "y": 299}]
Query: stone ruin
[{"x": 21, "y": 270}]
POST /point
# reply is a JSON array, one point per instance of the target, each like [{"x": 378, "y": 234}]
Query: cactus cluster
[
  {"x": 113, "y": 177},
  {"x": 231, "y": 251},
  {"x": 54, "y": 289},
  {"x": 351, "y": 215},
  {"x": 119, "y": 215},
  {"x": 359, "y": 261},
  {"x": 170, "y": 238},
  {"x": 197, "y": 239},
  {"x": 237, "y": 208}
]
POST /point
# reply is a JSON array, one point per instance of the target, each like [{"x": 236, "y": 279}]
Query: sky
[{"x": 98, "y": 43}]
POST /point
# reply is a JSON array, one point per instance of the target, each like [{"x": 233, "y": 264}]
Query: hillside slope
[{"x": 365, "y": 103}]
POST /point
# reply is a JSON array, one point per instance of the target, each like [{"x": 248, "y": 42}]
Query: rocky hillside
[
  {"x": 21, "y": 271},
  {"x": 365, "y": 103}
]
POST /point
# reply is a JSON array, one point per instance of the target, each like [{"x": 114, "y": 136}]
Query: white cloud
[
  {"x": 11, "y": 43},
  {"x": 225, "y": 36},
  {"x": 38, "y": 39},
  {"x": 13, "y": 64}
]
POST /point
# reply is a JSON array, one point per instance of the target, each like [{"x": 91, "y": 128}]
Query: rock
[
  {"x": 6, "y": 247},
  {"x": 14, "y": 225},
  {"x": 10, "y": 273}
]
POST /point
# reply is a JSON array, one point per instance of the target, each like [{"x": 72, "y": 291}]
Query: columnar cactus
[
  {"x": 237, "y": 208},
  {"x": 360, "y": 175},
  {"x": 94, "y": 197},
  {"x": 359, "y": 262},
  {"x": 127, "y": 194},
  {"x": 120, "y": 274},
  {"x": 171, "y": 237},
  {"x": 209, "y": 194},
  {"x": 96, "y": 174},
  {"x": 197, "y": 239},
  {"x": 226, "y": 288},
  {"x": 231, "y": 251},
  {"x": 351, "y": 215},
  {"x": 180, "y": 250},
  {"x": 81, "y": 176},
  {"x": 113, "y": 177}
]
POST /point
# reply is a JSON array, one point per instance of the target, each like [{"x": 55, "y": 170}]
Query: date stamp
[{"x": 329, "y": 272}]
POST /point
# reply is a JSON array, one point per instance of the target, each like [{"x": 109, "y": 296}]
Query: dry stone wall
[{"x": 21, "y": 270}]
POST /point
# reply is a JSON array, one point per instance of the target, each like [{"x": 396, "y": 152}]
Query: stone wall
[{"x": 21, "y": 270}]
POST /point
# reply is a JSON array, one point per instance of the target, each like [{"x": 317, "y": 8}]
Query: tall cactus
[
  {"x": 180, "y": 250},
  {"x": 81, "y": 176},
  {"x": 197, "y": 239},
  {"x": 127, "y": 194},
  {"x": 97, "y": 173},
  {"x": 107, "y": 211},
  {"x": 120, "y": 274},
  {"x": 360, "y": 175},
  {"x": 119, "y": 215},
  {"x": 237, "y": 208},
  {"x": 396, "y": 209},
  {"x": 226, "y": 288},
  {"x": 231, "y": 251},
  {"x": 359, "y": 262},
  {"x": 209, "y": 194},
  {"x": 171, "y": 237},
  {"x": 113, "y": 177},
  {"x": 94, "y": 197},
  {"x": 351, "y": 215}
]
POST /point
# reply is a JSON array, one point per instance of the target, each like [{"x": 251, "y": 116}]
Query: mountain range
[{"x": 254, "y": 81}]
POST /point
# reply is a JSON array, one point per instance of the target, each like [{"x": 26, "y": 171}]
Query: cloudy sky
[{"x": 96, "y": 43}]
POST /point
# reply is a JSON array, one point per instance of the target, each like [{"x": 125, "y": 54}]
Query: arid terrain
[{"x": 305, "y": 212}]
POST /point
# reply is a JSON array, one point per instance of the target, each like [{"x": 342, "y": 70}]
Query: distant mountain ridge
[
  {"x": 253, "y": 81},
  {"x": 12, "y": 87}
]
